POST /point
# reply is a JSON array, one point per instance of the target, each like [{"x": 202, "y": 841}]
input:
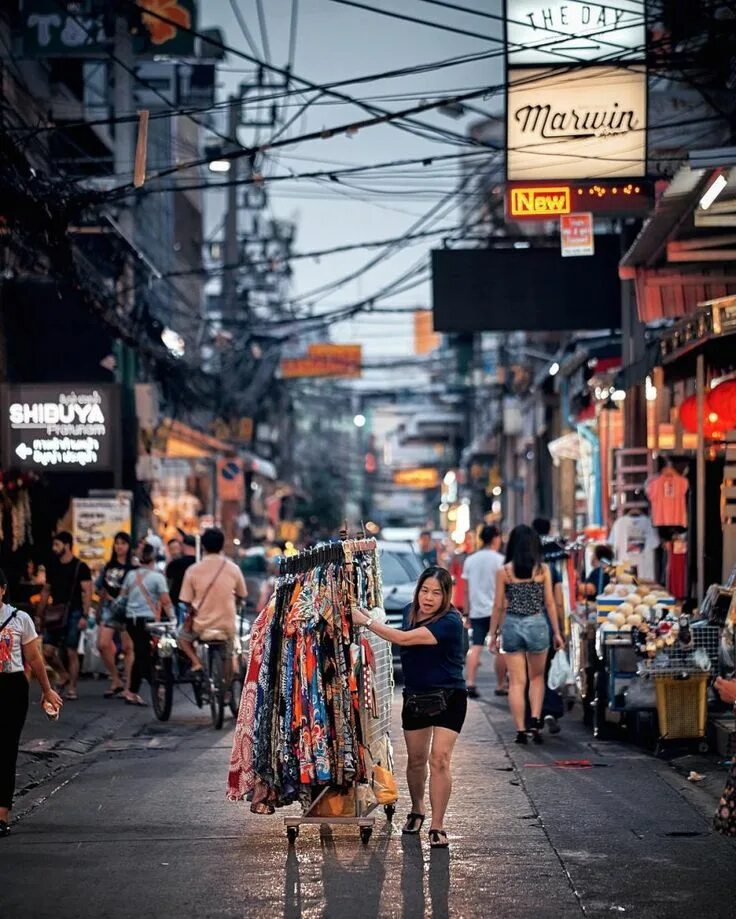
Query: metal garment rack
[{"x": 375, "y": 693}]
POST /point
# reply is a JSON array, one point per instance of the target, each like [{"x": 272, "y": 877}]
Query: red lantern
[
  {"x": 689, "y": 415},
  {"x": 714, "y": 426},
  {"x": 722, "y": 400}
]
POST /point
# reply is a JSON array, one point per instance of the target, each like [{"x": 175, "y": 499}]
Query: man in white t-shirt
[{"x": 480, "y": 570}]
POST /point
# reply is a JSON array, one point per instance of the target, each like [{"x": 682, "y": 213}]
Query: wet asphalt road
[{"x": 120, "y": 816}]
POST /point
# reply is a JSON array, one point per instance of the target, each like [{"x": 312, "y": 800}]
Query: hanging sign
[
  {"x": 59, "y": 427},
  {"x": 80, "y": 28},
  {"x": 325, "y": 360},
  {"x": 576, "y": 234},
  {"x": 230, "y": 480},
  {"x": 582, "y": 124},
  {"x": 544, "y": 201},
  {"x": 568, "y": 31}
]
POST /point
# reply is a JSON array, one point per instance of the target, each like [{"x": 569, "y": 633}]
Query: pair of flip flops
[{"x": 413, "y": 826}]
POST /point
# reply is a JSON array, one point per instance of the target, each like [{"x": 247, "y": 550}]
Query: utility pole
[
  {"x": 231, "y": 253},
  {"x": 123, "y": 105},
  {"x": 633, "y": 350}
]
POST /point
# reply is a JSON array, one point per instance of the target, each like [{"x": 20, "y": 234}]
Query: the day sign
[{"x": 567, "y": 31}]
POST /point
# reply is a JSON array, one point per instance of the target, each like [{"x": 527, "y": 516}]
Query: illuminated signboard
[
  {"x": 569, "y": 31},
  {"x": 539, "y": 202},
  {"x": 60, "y": 427},
  {"x": 542, "y": 201},
  {"x": 581, "y": 124},
  {"x": 420, "y": 478}
]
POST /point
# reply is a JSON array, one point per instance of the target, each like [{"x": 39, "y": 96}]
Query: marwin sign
[{"x": 583, "y": 124}]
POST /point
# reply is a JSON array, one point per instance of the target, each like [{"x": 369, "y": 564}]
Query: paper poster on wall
[
  {"x": 580, "y": 124},
  {"x": 95, "y": 521}
]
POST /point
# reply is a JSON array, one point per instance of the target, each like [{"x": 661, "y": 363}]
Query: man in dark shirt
[
  {"x": 427, "y": 549},
  {"x": 182, "y": 554},
  {"x": 68, "y": 584}
]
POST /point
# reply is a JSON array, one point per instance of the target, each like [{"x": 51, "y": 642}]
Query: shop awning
[
  {"x": 179, "y": 440},
  {"x": 685, "y": 254},
  {"x": 710, "y": 331},
  {"x": 569, "y": 446}
]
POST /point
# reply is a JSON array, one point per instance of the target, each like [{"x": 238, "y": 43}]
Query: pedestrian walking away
[
  {"x": 19, "y": 649},
  {"x": 519, "y": 628},
  {"x": 435, "y": 697},
  {"x": 211, "y": 590},
  {"x": 108, "y": 586},
  {"x": 145, "y": 595},
  {"x": 182, "y": 554},
  {"x": 480, "y": 571},
  {"x": 64, "y": 610}
]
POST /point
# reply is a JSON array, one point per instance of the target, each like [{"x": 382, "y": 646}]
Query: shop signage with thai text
[
  {"x": 568, "y": 31},
  {"x": 47, "y": 427},
  {"x": 587, "y": 123},
  {"x": 576, "y": 235}
]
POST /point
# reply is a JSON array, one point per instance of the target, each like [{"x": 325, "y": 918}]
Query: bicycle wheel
[
  {"x": 217, "y": 686},
  {"x": 162, "y": 688},
  {"x": 236, "y": 693}
]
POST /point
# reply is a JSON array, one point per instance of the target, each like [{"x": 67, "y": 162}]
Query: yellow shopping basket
[{"x": 682, "y": 706}]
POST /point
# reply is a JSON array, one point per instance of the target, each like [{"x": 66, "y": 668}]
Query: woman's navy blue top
[{"x": 439, "y": 666}]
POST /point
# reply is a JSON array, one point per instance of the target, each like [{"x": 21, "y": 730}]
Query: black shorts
[
  {"x": 480, "y": 629},
  {"x": 452, "y": 718}
]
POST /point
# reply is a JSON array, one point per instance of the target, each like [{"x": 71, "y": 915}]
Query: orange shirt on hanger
[{"x": 666, "y": 494}]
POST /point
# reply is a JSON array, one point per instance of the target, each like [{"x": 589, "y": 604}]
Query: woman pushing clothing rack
[{"x": 435, "y": 697}]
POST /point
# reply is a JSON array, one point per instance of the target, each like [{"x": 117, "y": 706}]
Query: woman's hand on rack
[
  {"x": 726, "y": 689},
  {"x": 360, "y": 617}
]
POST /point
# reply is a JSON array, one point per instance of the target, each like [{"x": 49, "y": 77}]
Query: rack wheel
[
  {"x": 390, "y": 810},
  {"x": 291, "y": 833},
  {"x": 703, "y": 747},
  {"x": 365, "y": 834}
]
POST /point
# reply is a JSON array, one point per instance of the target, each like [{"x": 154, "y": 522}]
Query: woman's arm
[
  {"x": 552, "y": 612},
  {"x": 499, "y": 609},
  {"x": 420, "y": 636},
  {"x": 33, "y": 657}
]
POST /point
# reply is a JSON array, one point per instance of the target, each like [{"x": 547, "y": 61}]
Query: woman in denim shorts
[{"x": 523, "y": 592}]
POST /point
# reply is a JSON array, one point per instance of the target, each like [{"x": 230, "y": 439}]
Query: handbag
[
  {"x": 427, "y": 704},
  {"x": 56, "y": 616}
]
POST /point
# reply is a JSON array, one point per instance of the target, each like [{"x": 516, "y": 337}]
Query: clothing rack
[{"x": 317, "y": 592}]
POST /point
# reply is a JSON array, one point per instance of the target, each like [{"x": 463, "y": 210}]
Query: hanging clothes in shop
[
  {"x": 299, "y": 726},
  {"x": 634, "y": 540},
  {"x": 667, "y": 495}
]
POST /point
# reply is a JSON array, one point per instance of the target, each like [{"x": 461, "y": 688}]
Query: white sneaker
[{"x": 553, "y": 725}]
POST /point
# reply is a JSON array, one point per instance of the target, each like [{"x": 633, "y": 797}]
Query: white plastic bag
[{"x": 560, "y": 672}]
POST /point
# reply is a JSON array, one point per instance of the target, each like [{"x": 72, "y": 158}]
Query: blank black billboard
[{"x": 488, "y": 290}]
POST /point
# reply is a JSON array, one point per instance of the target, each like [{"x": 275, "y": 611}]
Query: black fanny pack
[{"x": 427, "y": 704}]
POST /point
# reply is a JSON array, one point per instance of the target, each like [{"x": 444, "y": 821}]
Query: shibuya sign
[
  {"x": 50, "y": 427},
  {"x": 588, "y": 123},
  {"x": 569, "y": 32}
]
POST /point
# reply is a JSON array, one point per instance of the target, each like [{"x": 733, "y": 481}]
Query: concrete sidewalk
[{"x": 528, "y": 838}]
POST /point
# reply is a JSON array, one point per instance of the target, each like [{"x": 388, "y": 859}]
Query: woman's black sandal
[
  {"x": 436, "y": 838},
  {"x": 411, "y": 820}
]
